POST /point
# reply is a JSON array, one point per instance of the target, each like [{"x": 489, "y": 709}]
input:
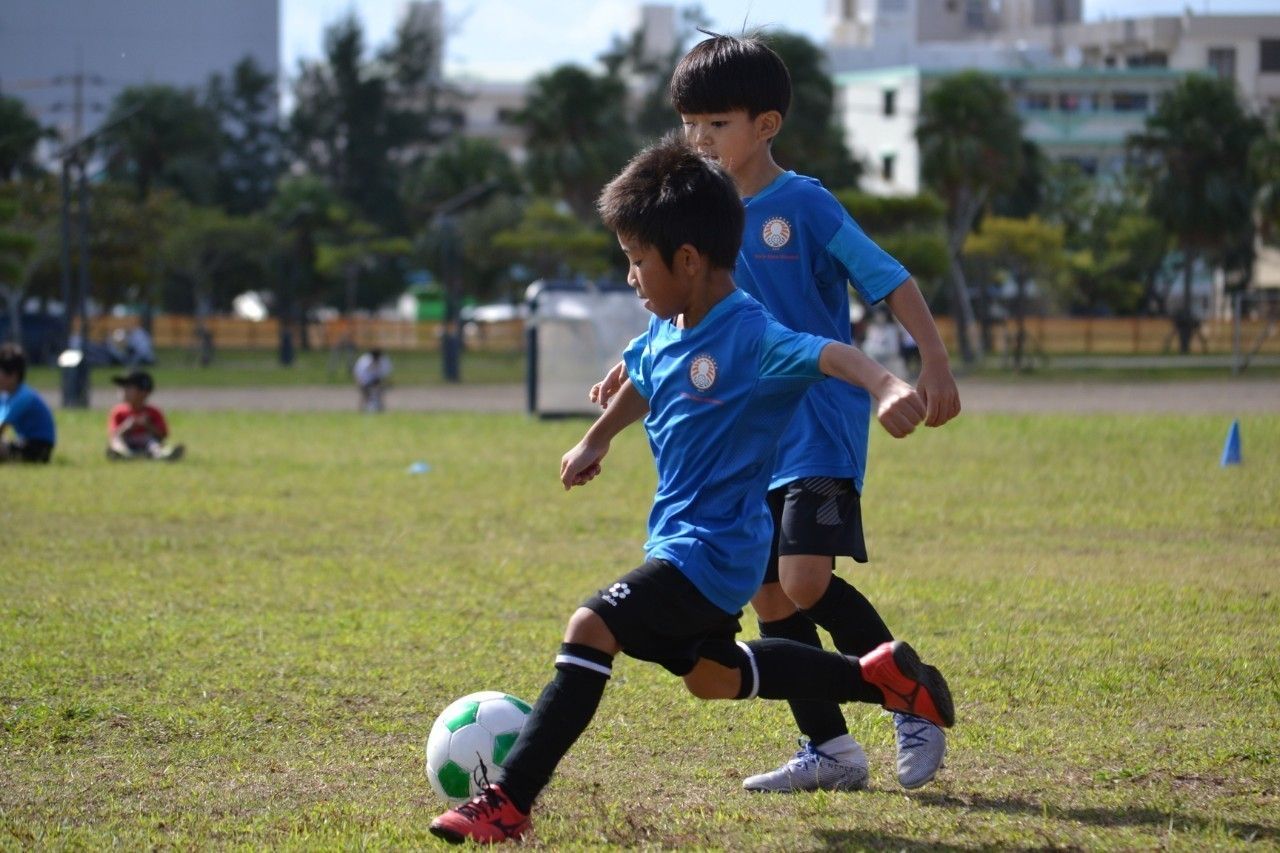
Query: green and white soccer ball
[{"x": 481, "y": 727}]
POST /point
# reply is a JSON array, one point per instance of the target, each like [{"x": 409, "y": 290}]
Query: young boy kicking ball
[{"x": 716, "y": 381}]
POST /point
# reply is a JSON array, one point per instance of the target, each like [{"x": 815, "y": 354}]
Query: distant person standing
[
  {"x": 27, "y": 432},
  {"x": 371, "y": 372}
]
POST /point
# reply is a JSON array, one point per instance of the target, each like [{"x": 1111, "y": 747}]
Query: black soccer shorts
[
  {"x": 658, "y": 615},
  {"x": 815, "y": 515}
]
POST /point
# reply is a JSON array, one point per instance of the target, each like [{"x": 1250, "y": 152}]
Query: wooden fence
[{"x": 1050, "y": 335}]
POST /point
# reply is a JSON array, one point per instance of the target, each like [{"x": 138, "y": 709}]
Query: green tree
[
  {"x": 162, "y": 136},
  {"x": 971, "y": 148},
  {"x": 15, "y": 248},
  {"x": 811, "y": 141},
  {"x": 355, "y": 120},
  {"x": 1264, "y": 159},
  {"x": 251, "y": 155},
  {"x": 19, "y": 134},
  {"x": 552, "y": 243},
  {"x": 458, "y": 165},
  {"x": 630, "y": 58},
  {"x": 578, "y": 136},
  {"x": 1027, "y": 250},
  {"x": 1195, "y": 149}
]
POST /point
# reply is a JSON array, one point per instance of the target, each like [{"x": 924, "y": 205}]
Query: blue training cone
[{"x": 1231, "y": 448}]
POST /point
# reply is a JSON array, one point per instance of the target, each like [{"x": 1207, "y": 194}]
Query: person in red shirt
[{"x": 136, "y": 429}]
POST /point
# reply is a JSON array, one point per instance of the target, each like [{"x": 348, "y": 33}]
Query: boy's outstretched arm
[
  {"x": 581, "y": 464},
  {"x": 935, "y": 384},
  {"x": 602, "y": 392},
  {"x": 898, "y": 406}
]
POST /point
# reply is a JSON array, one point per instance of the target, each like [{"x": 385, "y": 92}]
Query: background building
[{"x": 67, "y": 59}]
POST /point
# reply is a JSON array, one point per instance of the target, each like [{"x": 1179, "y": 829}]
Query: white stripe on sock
[
  {"x": 755, "y": 671},
  {"x": 607, "y": 672}
]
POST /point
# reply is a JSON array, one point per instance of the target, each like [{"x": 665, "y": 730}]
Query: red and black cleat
[
  {"x": 487, "y": 818},
  {"x": 908, "y": 684}
]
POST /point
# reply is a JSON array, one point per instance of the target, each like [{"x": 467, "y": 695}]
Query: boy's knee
[
  {"x": 586, "y": 628},
  {"x": 804, "y": 579}
]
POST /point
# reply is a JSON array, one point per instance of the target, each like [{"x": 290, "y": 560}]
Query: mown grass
[{"x": 247, "y": 649}]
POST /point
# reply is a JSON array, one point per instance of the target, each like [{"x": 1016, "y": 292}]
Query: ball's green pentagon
[
  {"x": 502, "y": 745},
  {"x": 522, "y": 706},
  {"x": 455, "y": 781},
  {"x": 466, "y": 716}
]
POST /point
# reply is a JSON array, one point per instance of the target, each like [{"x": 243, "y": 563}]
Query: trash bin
[
  {"x": 75, "y": 379},
  {"x": 576, "y": 331}
]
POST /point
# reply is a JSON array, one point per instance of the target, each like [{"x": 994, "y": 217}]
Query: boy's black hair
[
  {"x": 12, "y": 361},
  {"x": 669, "y": 195},
  {"x": 725, "y": 73}
]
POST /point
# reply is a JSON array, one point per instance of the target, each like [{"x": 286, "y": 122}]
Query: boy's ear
[
  {"x": 768, "y": 124},
  {"x": 688, "y": 261}
]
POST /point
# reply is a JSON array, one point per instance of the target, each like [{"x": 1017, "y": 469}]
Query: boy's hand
[
  {"x": 581, "y": 464},
  {"x": 898, "y": 407},
  {"x": 602, "y": 392},
  {"x": 941, "y": 396}
]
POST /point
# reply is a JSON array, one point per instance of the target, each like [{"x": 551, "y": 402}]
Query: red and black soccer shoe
[
  {"x": 908, "y": 684},
  {"x": 487, "y": 818}
]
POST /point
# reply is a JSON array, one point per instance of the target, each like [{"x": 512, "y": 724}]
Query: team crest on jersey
[
  {"x": 776, "y": 232},
  {"x": 702, "y": 373}
]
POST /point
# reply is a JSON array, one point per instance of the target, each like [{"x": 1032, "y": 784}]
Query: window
[
  {"x": 1037, "y": 101},
  {"x": 1222, "y": 62},
  {"x": 886, "y": 167},
  {"x": 1130, "y": 102},
  {"x": 890, "y": 102},
  {"x": 1269, "y": 55},
  {"x": 1068, "y": 102}
]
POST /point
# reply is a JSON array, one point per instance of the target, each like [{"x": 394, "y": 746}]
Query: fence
[{"x": 1050, "y": 335}]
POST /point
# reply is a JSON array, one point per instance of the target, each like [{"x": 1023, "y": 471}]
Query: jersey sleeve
[
  {"x": 873, "y": 271},
  {"x": 116, "y": 416},
  {"x": 639, "y": 365},
  {"x": 786, "y": 354}
]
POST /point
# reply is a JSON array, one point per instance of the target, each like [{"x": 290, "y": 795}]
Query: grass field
[{"x": 247, "y": 649}]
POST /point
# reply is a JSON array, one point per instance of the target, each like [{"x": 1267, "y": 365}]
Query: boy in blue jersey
[
  {"x": 716, "y": 380},
  {"x": 22, "y": 412},
  {"x": 799, "y": 250}
]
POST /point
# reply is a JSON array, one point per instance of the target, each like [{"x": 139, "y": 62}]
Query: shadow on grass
[
  {"x": 860, "y": 839},
  {"x": 1103, "y": 817}
]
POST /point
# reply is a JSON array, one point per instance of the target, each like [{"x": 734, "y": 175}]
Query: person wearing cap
[
  {"x": 27, "y": 432},
  {"x": 136, "y": 429}
]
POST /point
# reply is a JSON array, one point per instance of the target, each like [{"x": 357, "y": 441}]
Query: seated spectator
[
  {"x": 135, "y": 428},
  {"x": 22, "y": 413}
]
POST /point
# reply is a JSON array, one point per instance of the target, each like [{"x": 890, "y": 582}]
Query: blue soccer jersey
[
  {"x": 720, "y": 395},
  {"x": 27, "y": 414},
  {"x": 799, "y": 249}
]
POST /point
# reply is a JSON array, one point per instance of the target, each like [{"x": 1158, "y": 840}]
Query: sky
[{"x": 516, "y": 39}]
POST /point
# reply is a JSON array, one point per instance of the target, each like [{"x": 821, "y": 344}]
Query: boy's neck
[
  {"x": 757, "y": 173},
  {"x": 715, "y": 288}
]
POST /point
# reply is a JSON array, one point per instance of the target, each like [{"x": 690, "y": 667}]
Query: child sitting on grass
[{"x": 135, "y": 428}]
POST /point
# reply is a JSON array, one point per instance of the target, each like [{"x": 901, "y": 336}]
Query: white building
[{"x": 67, "y": 59}]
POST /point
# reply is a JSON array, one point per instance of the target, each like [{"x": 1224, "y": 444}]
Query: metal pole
[
  {"x": 66, "y": 254},
  {"x": 83, "y": 307}
]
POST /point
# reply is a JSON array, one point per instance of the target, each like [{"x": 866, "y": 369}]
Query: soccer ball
[{"x": 479, "y": 728}]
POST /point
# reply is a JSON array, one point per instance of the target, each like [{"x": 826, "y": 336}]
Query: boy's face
[
  {"x": 663, "y": 292},
  {"x": 733, "y": 138},
  {"x": 133, "y": 395},
  {"x": 8, "y": 382}
]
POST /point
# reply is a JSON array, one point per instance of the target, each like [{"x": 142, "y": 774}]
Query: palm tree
[
  {"x": 971, "y": 147},
  {"x": 1195, "y": 149}
]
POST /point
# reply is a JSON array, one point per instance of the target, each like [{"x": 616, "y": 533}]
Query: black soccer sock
[
  {"x": 785, "y": 669},
  {"x": 819, "y": 721},
  {"x": 853, "y": 623},
  {"x": 561, "y": 714}
]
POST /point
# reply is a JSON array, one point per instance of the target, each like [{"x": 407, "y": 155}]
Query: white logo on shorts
[
  {"x": 616, "y": 593},
  {"x": 776, "y": 233}
]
